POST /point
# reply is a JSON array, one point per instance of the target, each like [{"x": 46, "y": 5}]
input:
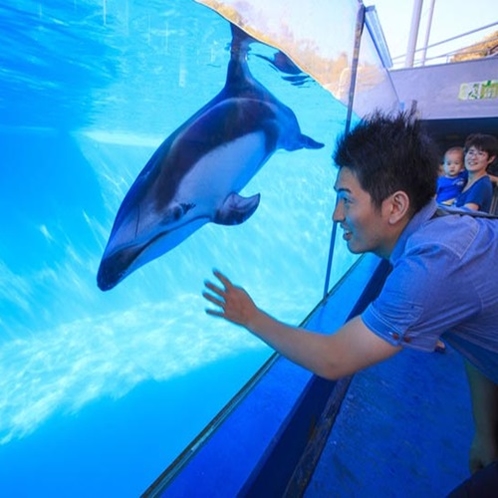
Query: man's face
[{"x": 365, "y": 228}]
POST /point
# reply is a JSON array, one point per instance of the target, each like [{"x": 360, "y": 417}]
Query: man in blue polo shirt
[{"x": 441, "y": 284}]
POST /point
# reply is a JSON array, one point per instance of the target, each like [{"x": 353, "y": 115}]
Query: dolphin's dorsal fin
[
  {"x": 309, "y": 143},
  {"x": 236, "y": 209},
  {"x": 302, "y": 142}
]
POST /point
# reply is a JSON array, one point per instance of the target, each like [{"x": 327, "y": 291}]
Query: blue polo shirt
[
  {"x": 480, "y": 193},
  {"x": 442, "y": 282}
]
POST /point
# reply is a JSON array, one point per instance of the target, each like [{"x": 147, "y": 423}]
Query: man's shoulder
[{"x": 457, "y": 231}]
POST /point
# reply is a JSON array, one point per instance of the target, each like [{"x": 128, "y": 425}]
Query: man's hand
[{"x": 234, "y": 303}]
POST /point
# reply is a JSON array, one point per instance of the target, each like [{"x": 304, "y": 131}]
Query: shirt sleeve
[{"x": 425, "y": 295}]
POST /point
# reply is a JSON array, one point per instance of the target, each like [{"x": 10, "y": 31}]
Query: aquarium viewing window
[{"x": 107, "y": 375}]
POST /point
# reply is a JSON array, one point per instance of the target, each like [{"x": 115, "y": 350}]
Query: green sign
[{"x": 479, "y": 90}]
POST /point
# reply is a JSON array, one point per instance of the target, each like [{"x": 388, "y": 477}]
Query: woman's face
[{"x": 476, "y": 160}]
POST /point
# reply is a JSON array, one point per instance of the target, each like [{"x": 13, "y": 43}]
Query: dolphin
[{"x": 196, "y": 174}]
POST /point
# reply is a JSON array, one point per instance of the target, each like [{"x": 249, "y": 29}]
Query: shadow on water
[{"x": 48, "y": 186}]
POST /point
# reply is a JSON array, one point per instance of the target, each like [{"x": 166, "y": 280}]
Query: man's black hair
[{"x": 391, "y": 152}]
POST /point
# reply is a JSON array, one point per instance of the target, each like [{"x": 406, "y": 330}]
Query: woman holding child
[{"x": 480, "y": 151}]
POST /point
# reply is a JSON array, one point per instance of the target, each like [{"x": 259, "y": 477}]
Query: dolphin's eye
[
  {"x": 179, "y": 211},
  {"x": 187, "y": 206}
]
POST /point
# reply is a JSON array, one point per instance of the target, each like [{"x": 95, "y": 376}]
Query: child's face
[{"x": 453, "y": 163}]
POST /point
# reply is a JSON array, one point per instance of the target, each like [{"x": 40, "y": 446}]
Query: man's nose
[{"x": 338, "y": 213}]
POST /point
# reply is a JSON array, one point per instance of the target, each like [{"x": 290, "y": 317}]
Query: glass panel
[
  {"x": 101, "y": 390},
  {"x": 374, "y": 88}
]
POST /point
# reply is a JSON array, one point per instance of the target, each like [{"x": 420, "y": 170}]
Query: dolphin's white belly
[{"x": 225, "y": 169}]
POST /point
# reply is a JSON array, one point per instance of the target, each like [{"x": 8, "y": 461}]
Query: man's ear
[
  {"x": 399, "y": 206},
  {"x": 491, "y": 159}
]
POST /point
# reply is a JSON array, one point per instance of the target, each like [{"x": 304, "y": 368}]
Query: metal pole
[
  {"x": 333, "y": 236},
  {"x": 360, "y": 22},
  {"x": 412, "y": 40},
  {"x": 427, "y": 32}
]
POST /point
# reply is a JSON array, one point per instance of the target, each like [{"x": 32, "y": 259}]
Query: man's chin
[{"x": 353, "y": 249}]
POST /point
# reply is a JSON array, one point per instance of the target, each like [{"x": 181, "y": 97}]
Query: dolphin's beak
[
  {"x": 118, "y": 263},
  {"x": 115, "y": 267}
]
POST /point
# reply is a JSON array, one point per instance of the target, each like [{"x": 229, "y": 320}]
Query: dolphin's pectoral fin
[{"x": 236, "y": 209}]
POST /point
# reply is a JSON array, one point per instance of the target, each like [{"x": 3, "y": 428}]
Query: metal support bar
[
  {"x": 428, "y": 32},
  {"x": 360, "y": 23},
  {"x": 412, "y": 40}
]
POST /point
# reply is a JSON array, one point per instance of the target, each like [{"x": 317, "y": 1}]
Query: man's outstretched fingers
[{"x": 222, "y": 278}]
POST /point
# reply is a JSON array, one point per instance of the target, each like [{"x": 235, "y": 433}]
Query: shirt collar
[{"x": 426, "y": 213}]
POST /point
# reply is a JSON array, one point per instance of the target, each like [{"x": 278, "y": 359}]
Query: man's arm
[
  {"x": 484, "y": 394},
  {"x": 352, "y": 348}
]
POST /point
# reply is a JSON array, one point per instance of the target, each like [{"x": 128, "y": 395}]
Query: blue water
[{"x": 99, "y": 392}]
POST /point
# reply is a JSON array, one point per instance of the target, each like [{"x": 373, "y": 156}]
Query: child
[{"x": 454, "y": 179}]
